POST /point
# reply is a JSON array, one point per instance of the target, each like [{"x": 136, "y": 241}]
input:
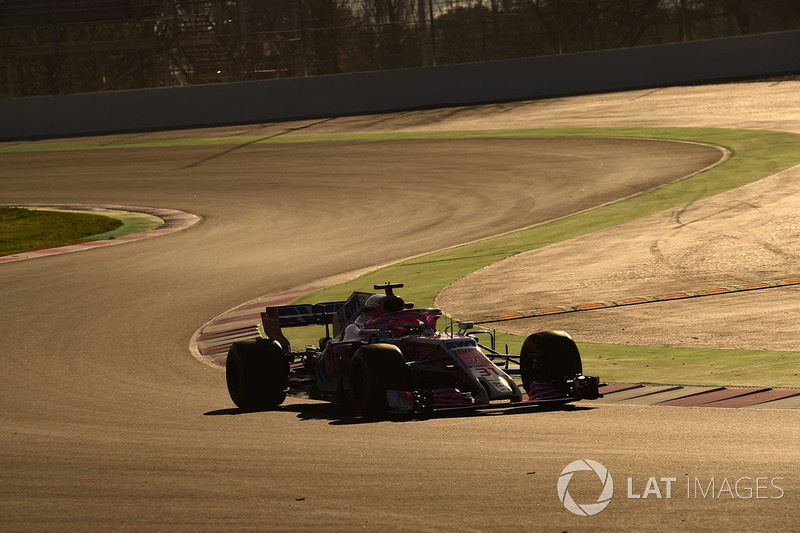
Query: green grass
[
  {"x": 25, "y": 230},
  {"x": 691, "y": 366}
]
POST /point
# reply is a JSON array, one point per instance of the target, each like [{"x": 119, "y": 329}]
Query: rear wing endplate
[{"x": 337, "y": 314}]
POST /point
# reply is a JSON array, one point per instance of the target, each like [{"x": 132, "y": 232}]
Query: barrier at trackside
[{"x": 395, "y": 90}]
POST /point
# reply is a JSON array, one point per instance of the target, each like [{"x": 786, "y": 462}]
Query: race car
[{"x": 383, "y": 355}]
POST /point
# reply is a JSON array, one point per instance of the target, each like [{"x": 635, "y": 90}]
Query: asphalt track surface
[{"x": 109, "y": 423}]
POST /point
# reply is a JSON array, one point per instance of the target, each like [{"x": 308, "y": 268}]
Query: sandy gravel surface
[{"x": 108, "y": 423}]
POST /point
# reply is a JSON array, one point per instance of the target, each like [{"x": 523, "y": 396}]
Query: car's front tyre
[
  {"x": 375, "y": 369},
  {"x": 549, "y": 357}
]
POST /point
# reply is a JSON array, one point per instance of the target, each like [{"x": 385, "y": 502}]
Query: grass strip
[
  {"x": 754, "y": 155},
  {"x": 691, "y": 366}
]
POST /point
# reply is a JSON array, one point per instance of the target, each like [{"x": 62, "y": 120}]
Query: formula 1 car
[{"x": 386, "y": 356}]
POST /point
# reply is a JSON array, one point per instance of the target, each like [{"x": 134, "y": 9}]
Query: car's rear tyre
[
  {"x": 376, "y": 368},
  {"x": 257, "y": 373},
  {"x": 549, "y": 356}
]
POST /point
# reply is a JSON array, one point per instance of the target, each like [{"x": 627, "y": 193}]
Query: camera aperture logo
[
  {"x": 747, "y": 487},
  {"x": 586, "y": 509}
]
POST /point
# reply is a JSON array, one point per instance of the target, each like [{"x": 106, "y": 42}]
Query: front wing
[{"x": 452, "y": 400}]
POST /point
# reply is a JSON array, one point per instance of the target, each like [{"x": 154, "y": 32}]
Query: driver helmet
[{"x": 380, "y": 304}]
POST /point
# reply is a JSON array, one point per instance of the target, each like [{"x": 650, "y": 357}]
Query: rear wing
[{"x": 337, "y": 314}]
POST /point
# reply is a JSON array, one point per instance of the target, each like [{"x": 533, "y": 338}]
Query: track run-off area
[{"x": 110, "y": 423}]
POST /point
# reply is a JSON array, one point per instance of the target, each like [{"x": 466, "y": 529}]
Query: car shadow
[
  {"x": 228, "y": 411},
  {"x": 343, "y": 415}
]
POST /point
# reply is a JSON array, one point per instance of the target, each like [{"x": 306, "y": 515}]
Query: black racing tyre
[
  {"x": 257, "y": 373},
  {"x": 549, "y": 356},
  {"x": 376, "y": 368}
]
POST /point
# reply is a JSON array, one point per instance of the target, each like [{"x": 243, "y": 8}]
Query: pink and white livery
[{"x": 383, "y": 356}]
